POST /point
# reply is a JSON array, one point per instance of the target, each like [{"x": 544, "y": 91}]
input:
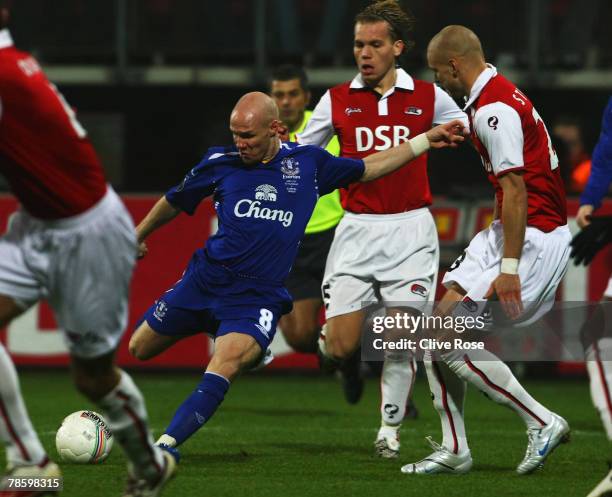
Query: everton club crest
[{"x": 289, "y": 167}]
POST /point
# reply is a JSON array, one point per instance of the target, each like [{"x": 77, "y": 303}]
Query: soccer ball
[{"x": 84, "y": 438}]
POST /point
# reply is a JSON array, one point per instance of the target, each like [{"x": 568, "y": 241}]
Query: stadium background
[{"x": 153, "y": 82}]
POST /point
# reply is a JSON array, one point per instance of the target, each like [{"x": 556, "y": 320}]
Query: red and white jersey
[
  {"x": 366, "y": 122},
  {"x": 45, "y": 155},
  {"x": 510, "y": 135}
]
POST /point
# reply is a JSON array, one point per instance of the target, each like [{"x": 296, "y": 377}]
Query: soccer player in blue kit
[{"x": 264, "y": 192}]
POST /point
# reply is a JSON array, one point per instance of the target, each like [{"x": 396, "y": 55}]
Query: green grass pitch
[{"x": 287, "y": 435}]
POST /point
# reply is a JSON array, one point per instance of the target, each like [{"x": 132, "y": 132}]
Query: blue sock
[{"x": 198, "y": 408}]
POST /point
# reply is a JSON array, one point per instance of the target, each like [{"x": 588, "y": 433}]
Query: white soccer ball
[{"x": 84, "y": 438}]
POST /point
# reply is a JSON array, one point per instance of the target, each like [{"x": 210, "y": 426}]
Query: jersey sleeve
[
  {"x": 601, "y": 164},
  {"x": 445, "y": 109},
  {"x": 197, "y": 184},
  {"x": 319, "y": 130},
  {"x": 499, "y": 129},
  {"x": 336, "y": 172}
]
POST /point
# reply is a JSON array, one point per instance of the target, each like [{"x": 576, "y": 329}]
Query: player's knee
[
  {"x": 303, "y": 345},
  {"x": 302, "y": 338},
  {"x": 138, "y": 348}
]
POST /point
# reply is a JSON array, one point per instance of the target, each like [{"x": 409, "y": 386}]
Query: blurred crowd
[{"x": 572, "y": 34}]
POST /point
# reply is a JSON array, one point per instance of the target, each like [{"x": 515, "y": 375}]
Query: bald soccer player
[
  {"x": 264, "y": 193},
  {"x": 519, "y": 259}
]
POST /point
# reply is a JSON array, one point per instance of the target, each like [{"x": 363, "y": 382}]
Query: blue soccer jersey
[
  {"x": 263, "y": 209},
  {"x": 235, "y": 284},
  {"x": 601, "y": 164}
]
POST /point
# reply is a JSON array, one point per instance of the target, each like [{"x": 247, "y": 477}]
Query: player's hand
[
  {"x": 507, "y": 287},
  {"x": 583, "y": 218},
  {"x": 142, "y": 250},
  {"x": 596, "y": 235},
  {"x": 450, "y": 134}
]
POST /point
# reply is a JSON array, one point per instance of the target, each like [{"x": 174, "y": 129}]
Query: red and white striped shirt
[
  {"x": 367, "y": 122},
  {"x": 510, "y": 135}
]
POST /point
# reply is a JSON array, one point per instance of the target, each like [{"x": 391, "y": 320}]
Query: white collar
[
  {"x": 5, "y": 39},
  {"x": 481, "y": 81},
  {"x": 403, "y": 80}
]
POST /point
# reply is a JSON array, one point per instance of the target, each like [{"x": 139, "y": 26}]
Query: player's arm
[
  {"x": 601, "y": 172},
  {"x": 495, "y": 210},
  {"x": 445, "y": 109},
  {"x": 161, "y": 213},
  {"x": 514, "y": 214},
  {"x": 387, "y": 161},
  {"x": 197, "y": 184},
  {"x": 499, "y": 128},
  {"x": 319, "y": 130}
]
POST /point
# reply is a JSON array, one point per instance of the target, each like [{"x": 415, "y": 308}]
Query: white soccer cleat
[
  {"x": 604, "y": 489},
  {"x": 48, "y": 470},
  {"x": 166, "y": 440},
  {"x": 441, "y": 460},
  {"x": 387, "y": 443},
  {"x": 142, "y": 488},
  {"x": 541, "y": 443},
  {"x": 266, "y": 358}
]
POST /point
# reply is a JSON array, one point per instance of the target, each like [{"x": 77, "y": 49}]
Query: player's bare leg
[
  {"x": 146, "y": 343},
  {"x": 234, "y": 353},
  {"x": 26, "y": 455},
  {"x": 339, "y": 342},
  {"x": 123, "y": 405},
  {"x": 301, "y": 326}
]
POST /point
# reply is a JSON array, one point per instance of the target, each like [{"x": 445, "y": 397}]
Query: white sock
[
  {"x": 397, "y": 379},
  {"x": 599, "y": 366},
  {"x": 448, "y": 394},
  {"x": 23, "y": 446},
  {"x": 125, "y": 411},
  {"x": 492, "y": 377},
  {"x": 321, "y": 343}
]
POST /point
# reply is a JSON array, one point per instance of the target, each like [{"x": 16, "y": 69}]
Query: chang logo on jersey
[
  {"x": 252, "y": 208},
  {"x": 381, "y": 138},
  {"x": 266, "y": 192}
]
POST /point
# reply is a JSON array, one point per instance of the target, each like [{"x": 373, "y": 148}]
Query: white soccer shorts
[
  {"x": 82, "y": 265},
  {"x": 542, "y": 266},
  {"x": 390, "y": 258}
]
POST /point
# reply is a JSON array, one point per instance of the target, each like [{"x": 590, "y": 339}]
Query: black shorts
[{"x": 306, "y": 276}]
